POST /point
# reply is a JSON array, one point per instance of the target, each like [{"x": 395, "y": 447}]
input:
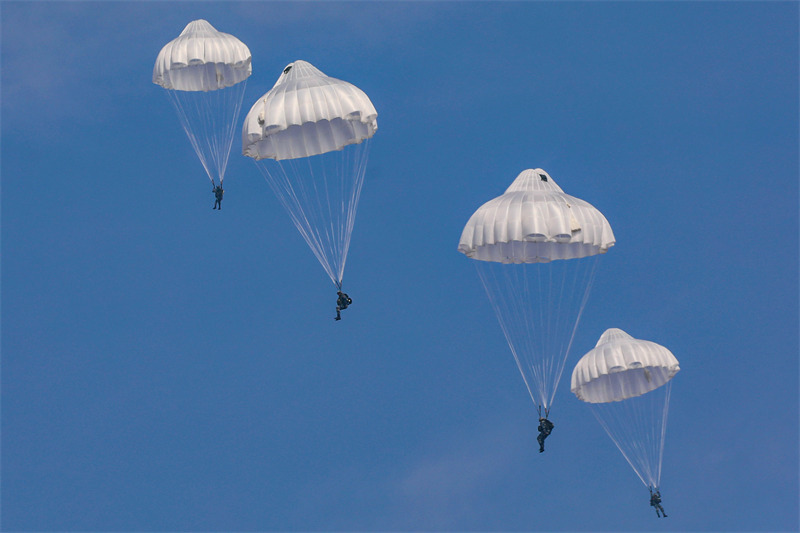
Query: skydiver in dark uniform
[
  {"x": 218, "y": 192},
  {"x": 655, "y": 501},
  {"x": 341, "y": 303},
  {"x": 545, "y": 427}
]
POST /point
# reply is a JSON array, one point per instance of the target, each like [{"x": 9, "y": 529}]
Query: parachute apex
[
  {"x": 197, "y": 26},
  {"x": 298, "y": 70},
  {"x": 612, "y": 334},
  {"x": 534, "y": 179}
]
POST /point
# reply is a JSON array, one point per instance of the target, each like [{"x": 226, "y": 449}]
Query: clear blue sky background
[{"x": 170, "y": 367}]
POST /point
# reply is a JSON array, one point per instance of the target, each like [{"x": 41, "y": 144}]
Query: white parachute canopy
[
  {"x": 309, "y": 136},
  {"x": 204, "y": 72},
  {"x": 536, "y": 249},
  {"x": 627, "y": 383}
]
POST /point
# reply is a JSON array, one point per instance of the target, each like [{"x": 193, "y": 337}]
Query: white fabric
[
  {"x": 621, "y": 367},
  {"x": 307, "y": 113},
  {"x": 202, "y": 59},
  {"x": 535, "y": 222}
]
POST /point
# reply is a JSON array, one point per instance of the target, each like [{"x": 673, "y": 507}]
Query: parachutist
[
  {"x": 655, "y": 501},
  {"x": 207, "y": 91},
  {"x": 218, "y": 192},
  {"x": 326, "y": 172},
  {"x": 545, "y": 427},
  {"x": 341, "y": 303}
]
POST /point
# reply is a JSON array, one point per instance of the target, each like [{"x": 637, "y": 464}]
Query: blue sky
[{"x": 167, "y": 367}]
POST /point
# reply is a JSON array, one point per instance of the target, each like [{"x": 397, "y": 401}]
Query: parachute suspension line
[
  {"x": 546, "y": 303},
  {"x": 210, "y": 120},
  {"x": 538, "y": 311},
  {"x": 668, "y": 393},
  {"x": 588, "y": 282},
  {"x": 607, "y": 426},
  {"x": 186, "y": 124},
  {"x": 513, "y": 316},
  {"x": 504, "y": 308},
  {"x": 537, "y": 296},
  {"x": 325, "y": 221},
  {"x": 342, "y": 182},
  {"x": 550, "y": 281},
  {"x": 233, "y": 124},
  {"x": 545, "y": 316},
  {"x": 361, "y": 156},
  {"x": 293, "y": 195},
  {"x": 529, "y": 294},
  {"x": 564, "y": 288},
  {"x": 321, "y": 195},
  {"x": 638, "y": 426},
  {"x": 525, "y": 335}
]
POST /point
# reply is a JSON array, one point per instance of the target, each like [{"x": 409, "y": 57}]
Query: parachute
[
  {"x": 205, "y": 73},
  {"x": 536, "y": 251},
  {"x": 627, "y": 383},
  {"x": 309, "y": 136}
]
